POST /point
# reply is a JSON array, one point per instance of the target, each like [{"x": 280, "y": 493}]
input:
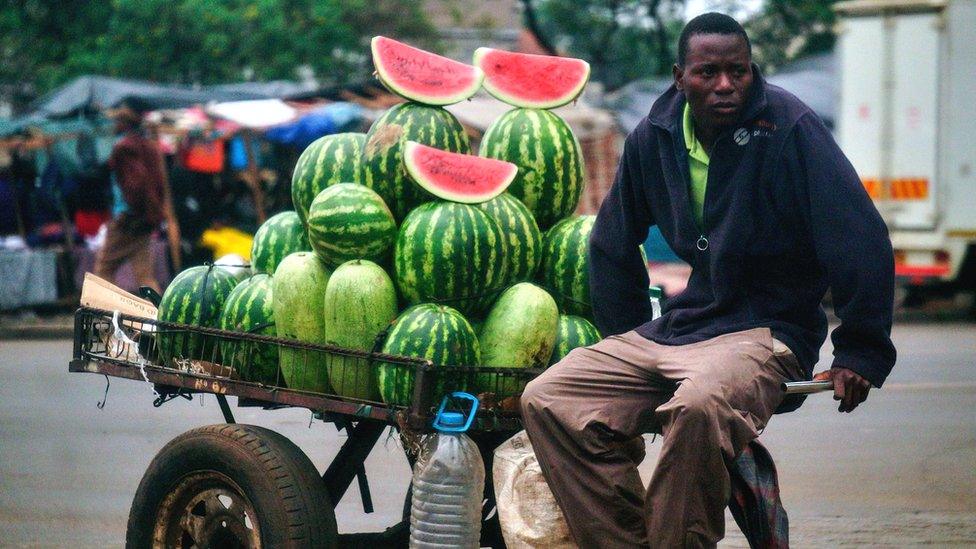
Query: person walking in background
[{"x": 139, "y": 201}]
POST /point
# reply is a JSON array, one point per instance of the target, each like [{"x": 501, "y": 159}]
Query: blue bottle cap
[{"x": 451, "y": 419}]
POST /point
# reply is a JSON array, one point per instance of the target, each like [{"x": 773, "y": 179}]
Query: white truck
[{"x": 907, "y": 121}]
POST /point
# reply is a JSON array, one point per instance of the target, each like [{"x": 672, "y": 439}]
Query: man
[
  {"x": 746, "y": 185},
  {"x": 138, "y": 181}
]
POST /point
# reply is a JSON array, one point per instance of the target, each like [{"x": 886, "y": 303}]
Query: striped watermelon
[
  {"x": 383, "y": 169},
  {"x": 249, "y": 309},
  {"x": 196, "y": 296},
  {"x": 549, "y": 160},
  {"x": 360, "y": 303},
  {"x": 328, "y": 160},
  {"x": 435, "y": 332},
  {"x": 280, "y": 235},
  {"x": 299, "y": 296},
  {"x": 565, "y": 265},
  {"x": 520, "y": 229},
  {"x": 573, "y": 332},
  {"x": 349, "y": 221},
  {"x": 450, "y": 253}
]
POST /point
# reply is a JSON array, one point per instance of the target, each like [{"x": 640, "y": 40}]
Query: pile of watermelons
[{"x": 403, "y": 241}]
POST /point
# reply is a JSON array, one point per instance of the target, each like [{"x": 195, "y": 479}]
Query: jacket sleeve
[
  {"x": 852, "y": 247},
  {"x": 618, "y": 274}
]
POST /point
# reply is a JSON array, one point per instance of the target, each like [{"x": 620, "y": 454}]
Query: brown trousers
[
  {"x": 707, "y": 399},
  {"x": 127, "y": 241}
]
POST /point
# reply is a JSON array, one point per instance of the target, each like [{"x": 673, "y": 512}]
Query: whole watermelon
[
  {"x": 573, "y": 332},
  {"x": 249, "y": 309},
  {"x": 349, "y": 221},
  {"x": 360, "y": 303},
  {"x": 565, "y": 265},
  {"x": 196, "y": 296},
  {"x": 383, "y": 169},
  {"x": 280, "y": 235},
  {"x": 549, "y": 160},
  {"x": 299, "y": 295},
  {"x": 434, "y": 332},
  {"x": 519, "y": 333},
  {"x": 328, "y": 160},
  {"x": 522, "y": 233},
  {"x": 450, "y": 253}
]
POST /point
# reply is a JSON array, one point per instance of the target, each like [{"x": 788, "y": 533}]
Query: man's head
[
  {"x": 714, "y": 69},
  {"x": 126, "y": 118}
]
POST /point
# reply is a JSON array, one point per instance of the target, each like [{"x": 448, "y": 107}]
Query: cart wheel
[{"x": 231, "y": 486}]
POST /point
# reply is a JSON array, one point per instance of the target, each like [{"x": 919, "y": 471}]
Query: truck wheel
[{"x": 231, "y": 485}]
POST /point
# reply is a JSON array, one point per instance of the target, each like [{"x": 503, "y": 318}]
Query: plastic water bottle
[{"x": 448, "y": 484}]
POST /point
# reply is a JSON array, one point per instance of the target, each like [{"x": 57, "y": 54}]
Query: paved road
[{"x": 899, "y": 471}]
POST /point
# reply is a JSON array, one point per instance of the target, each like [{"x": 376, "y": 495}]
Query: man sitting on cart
[{"x": 747, "y": 185}]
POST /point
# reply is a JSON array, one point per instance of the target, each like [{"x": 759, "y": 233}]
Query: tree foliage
[
  {"x": 45, "y": 43},
  {"x": 623, "y": 40},
  {"x": 784, "y": 30}
]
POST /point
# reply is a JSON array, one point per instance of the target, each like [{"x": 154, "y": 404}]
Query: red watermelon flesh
[
  {"x": 457, "y": 177},
  {"x": 532, "y": 81},
  {"x": 422, "y": 76}
]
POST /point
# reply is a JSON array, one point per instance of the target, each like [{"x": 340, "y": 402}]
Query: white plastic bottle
[{"x": 448, "y": 484}]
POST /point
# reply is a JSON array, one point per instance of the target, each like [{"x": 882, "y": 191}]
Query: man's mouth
[{"x": 725, "y": 107}]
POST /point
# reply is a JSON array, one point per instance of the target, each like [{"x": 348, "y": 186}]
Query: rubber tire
[{"x": 293, "y": 508}]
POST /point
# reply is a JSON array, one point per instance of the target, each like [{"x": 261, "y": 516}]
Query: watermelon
[
  {"x": 249, "y": 309},
  {"x": 435, "y": 332},
  {"x": 565, "y": 265},
  {"x": 422, "y": 76},
  {"x": 457, "y": 177},
  {"x": 549, "y": 160},
  {"x": 532, "y": 81},
  {"x": 360, "y": 303},
  {"x": 450, "y": 253},
  {"x": 299, "y": 286},
  {"x": 280, "y": 235},
  {"x": 349, "y": 221},
  {"x": 196, "y": 296},
  {"x": 328, "y": 160},
  {"x": 519, "y": 333},
  {"x": 573, "y": 332},
  {"x": 523, "y": 235},
  {"x": 383, "y": 168}
]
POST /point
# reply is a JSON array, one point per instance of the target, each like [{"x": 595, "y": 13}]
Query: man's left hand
[{"x": 849, "y": 388}]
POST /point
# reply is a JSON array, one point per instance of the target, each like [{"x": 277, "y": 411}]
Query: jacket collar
[{"x": 667, "y": 110}]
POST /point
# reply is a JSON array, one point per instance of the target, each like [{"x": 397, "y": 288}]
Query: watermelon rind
[
  {"x": 550, "y": 175},
  {"x": 565, "y": 264},
  {"x": 522, "y": 232},
  {"x": 196, "y": 297},
  {"x": 360, "y": 303},
  {"x": 519, "y": 333},
  {"x": 437, "y": 333},
  {"x": 282, "y": 234},
  {"x": 350, "y": 221},
  {"x": 438, "y": 171},
  {"x": 299, "y": 286},
  {"x": 331, "y": 159},
  {"x": 573, "y": 331},
  {"x": 249, "y": 309},
  {"x": 548, "y": 70},
  {"x": 450, "y": 253},
  {"x": 441, "y": 92},
  {"x": 383, "y": 168}
]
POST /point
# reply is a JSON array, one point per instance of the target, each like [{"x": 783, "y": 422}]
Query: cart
[{"x": 233, "y": 485}]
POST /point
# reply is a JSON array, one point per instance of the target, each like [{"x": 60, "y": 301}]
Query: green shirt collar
[{"x": 695, "y": 149}]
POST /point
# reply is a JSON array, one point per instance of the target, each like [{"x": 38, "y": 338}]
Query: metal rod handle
[{"x": 807, "y": 387}]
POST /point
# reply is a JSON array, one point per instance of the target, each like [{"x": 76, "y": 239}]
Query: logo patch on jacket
[
  {"x": 741, "y": 136},
  {"x": 760, "y": 128}
]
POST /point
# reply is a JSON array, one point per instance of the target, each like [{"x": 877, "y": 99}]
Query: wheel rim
[{"x": 207, "y": 510}]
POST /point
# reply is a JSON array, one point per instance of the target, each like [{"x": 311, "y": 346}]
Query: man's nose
[{"x": 724, "y": 84}]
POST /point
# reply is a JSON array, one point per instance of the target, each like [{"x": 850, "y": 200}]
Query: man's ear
[{"x": 679, "y": 74}]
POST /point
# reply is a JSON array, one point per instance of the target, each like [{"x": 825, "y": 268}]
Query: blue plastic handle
[{"x": 474, "y": 408}]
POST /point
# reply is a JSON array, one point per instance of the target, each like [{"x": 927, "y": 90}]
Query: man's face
[{"x": 716, "y": 78}]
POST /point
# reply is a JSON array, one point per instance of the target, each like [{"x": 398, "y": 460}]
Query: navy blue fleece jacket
[{"x": 785, "y": 218}]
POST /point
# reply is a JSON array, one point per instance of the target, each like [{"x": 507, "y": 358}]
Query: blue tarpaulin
[{"x": 327, "y": 120}]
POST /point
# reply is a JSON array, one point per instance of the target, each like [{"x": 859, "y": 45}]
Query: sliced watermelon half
[
  {"x": 532, "y": 81},
  {"x": 457, "y": 177},
  {"x": 422, "y": 76}
]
